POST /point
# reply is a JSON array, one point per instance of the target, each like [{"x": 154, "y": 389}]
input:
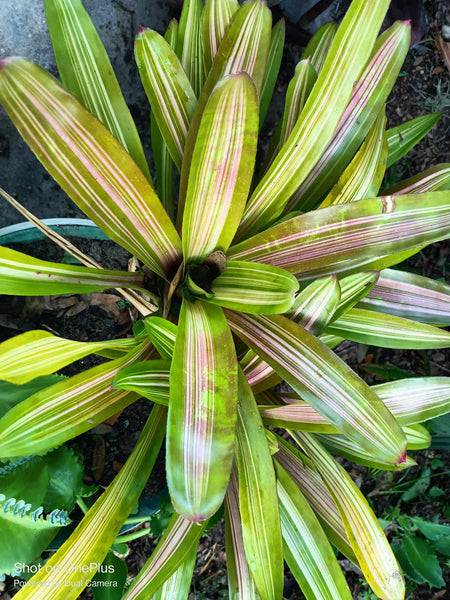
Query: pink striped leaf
[
  {"x": 36, "y": 353},
  {"x": 149, "y": 379},
  {"x": 431, "y": 180},
  {"x": 319, "y": 45},
  {"x": 176, "y": 545},
  {"x": 307, "y": 551},
  {"x": 172, "y": 99},
  {"x": 273, "y": 67},
  {"x": 258, "y": 503},
  {"x": 388, "y": 331},
  {"x": 24, "y": 275},
  {"x": 353, "y": 288},
  {"x": 66, "y": 409},
  {"x": 244, "y": 48},
  {"x": 89, "y": 163},
  {"x": 240, "y": 581},
  {"x": 405, "y": 136},
  {"x": 303, "y": 473},
  {"x": 348, "y": 237},
  {"x": 216, "y": 18},
  {"x": 314, "y": 129},
  {"x": 411, "y": 296},
  {"x": 190, "y": 43},
  {"x": 178, "y": 584},
  {"x": 254, "y": 288},
  {"x": 90, "y": 542},
  {"x": 296, "y": 415},
  {"x": 162, "y": 333},
  {"x": 86, "y": 71},
  {"x": 324, "y": 381},
  {"x": 363, "y": 176},
  {"x": 221, "y": 168},
  {"x": 202, "y": 411},
  {"x": 366, "y": 536},
  {"x": 368, "y": 97}
]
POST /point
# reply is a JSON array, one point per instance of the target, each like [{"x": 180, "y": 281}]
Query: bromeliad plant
[{"x": 251, "y": 286}]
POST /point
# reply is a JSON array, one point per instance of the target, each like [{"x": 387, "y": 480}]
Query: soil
[{"x": 423, "y": 87}]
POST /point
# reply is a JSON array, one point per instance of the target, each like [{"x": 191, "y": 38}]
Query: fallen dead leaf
[{"x": 443, "y": 47}]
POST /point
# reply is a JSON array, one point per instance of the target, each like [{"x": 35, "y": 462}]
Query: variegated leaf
[
  {"x": 366, "y": 536},
  {"x": 89, "y": 163},
  {"x": 402, "y": 138},
  {"x": 176, "y": 545},
  {"x": 433, "y": 179},
  {"x": 190, "y": 43},
  {"x": 86, "y": 71},
  {"x": 296, "y": 415},
  {"x": 261, "y": 529},
  {"x": 24, "y": 275},
  {"x": 354, "y": 288},
  {"x": 92, "y": 539},
  {"x": 178, "y": 585},
  {"x": 378, "y": 329},
  {"x": 348, "y": 237},
  {"x": 202, "y": 411},
  {"x": 66, "y": 409},
  {"x": 216, "y": 19},
  {"x": 307, "y": 551},
  {"x": 273, "y": 66},
  {"x": 314, "y": 129},
  {"x": 417, "y": 436},
  {"x": 36, "y": 353},
  {"x": 319, "y": 45},
  {"x": 323, "y": 380},
  {"x": 149, "y": 379},
  {"x": 222, "y": 167},
  {"x": 162, "y": 334},
  {"x": 368, "y": 97},
  {"x": 172, "y": 99}
]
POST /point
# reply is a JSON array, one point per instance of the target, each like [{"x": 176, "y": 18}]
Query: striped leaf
[
  {"x": 178, "y": 585},
  {"x": 417, "y": 436},
  {"x": 176, "y": 546},
  {"x": 261, "y": 529},
  {"x": 86, "y": 71},
  {"x": 216, "y": 19},
  {"x": 93, "y": 537},
  {"x": 244, "y": 48},
  {"x": 149, "y": 379},
  {"x": 240, "y": 581},
  {"x": 66, "y": 409},
  {"x": 273, "y": 66},
  {"x": 351, "y": 236},
  {"x": 411, "y": 296},
  {"x": 363, "y": 177},
  {"x": 190, "y": 43},
  {"x": 354, "y": 288},
  {"x": 307, "y": 551},
  {"x": 202, "y": 411},
  {"x": 24, "y": 275},
  {"x": 388, "y": 331},
  {"x": 162, "y": 334},
  {"x": 311, "y": 485},
  {"x": 296, "y": 415},
  {"x": 314, "y": 129},
  {"x": 36, "y": 353},
  {"x": 89, "y": 163},
  {"x": 368, "y": 97},
  {"x": 172, "y": 99},
  {"x": 405, "y": 136},
  {"x": 323, "y": 380},
  {"x": 222, "y": 167},
  {"x": 431, "y": 180},
  {"x": 254, "y": 288},
  {"x": 319, "y": 45},
  {"x": 366, "y": 536}
]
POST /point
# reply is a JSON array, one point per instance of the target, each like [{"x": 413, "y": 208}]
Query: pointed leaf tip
[{"x": 142, "y": 29}]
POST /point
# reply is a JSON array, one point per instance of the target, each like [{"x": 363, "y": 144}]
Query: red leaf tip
[
  {"x": 141, "y": 29},
  {"x": 402, "y": 458},
  {"x": 407, "y": 22}
]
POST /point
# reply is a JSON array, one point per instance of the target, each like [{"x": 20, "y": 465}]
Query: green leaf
[
  {"x": 92, "y": 539},
  {"x": 324, "y": 381},
  {"x": 202, "y": 411},
  {"x": 319, "y": 45},
  {"x": 66, "y": 409},
  {"x": 162, "y": 334},
  {"x": 12, "y": 394},
  {"x": 149, "y": 379},
  {"x": 423, "y": 560},
  {"x": 178, "y": 585},
  {"x": 314, "y": 129},
  {"x": 420, "y": 486},
  {"x": 65, "y": 479},
  {"x": 216, "y": 18},
  {"x": 222, "y": 166},
  {"x": 417, "y": 436},
  {"x": 405, "y": 136},
  {"x": 258, "y": 503},
  {"x": 176, "y": 546},
  {"x": 253, "y": 288},
  {"x": 89, "y": 163},
  {"x": 307, "y": 550},
  {"x": 354, "y": 288},
  {"x": 348, "y": 237},
  {"x": 432, "y": 531},
  {"x": 273, "y": 66},
  {"x": 110, "y": 580},
  {"x": 86, "y": 71},
  {"x": 172, "y": 99},
  {"x": 36, "y": 353},
  {"x": 434, "y": 178},
  {"x": 190, "y": 43}
]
